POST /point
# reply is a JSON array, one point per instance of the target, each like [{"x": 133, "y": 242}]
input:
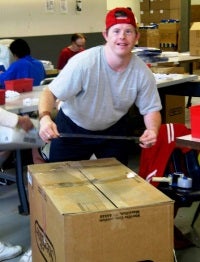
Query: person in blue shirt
[{"x": 24, "y": 66}]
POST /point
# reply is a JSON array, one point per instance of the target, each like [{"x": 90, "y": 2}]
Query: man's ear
[
  {"x": 138, "y": 36},
  {"x": 105, "y": 34}
]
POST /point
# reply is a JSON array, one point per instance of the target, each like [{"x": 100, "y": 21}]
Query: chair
[
  {"x": 46, "y": 81},
  {"x": 166, "y": 158}
]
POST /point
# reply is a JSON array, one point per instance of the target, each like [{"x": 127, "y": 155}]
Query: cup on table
[{"x": 2, "y": 96}]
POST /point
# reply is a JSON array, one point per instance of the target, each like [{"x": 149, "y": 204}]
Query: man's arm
[
  {"x": 152, "y": 122},
  {"x": 48, "y": 128}
]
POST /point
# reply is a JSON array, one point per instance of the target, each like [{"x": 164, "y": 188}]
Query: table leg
[{"x": 24, "y": 205}]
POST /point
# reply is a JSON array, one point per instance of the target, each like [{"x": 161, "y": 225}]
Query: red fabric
[
  {"x": 65, "y": 55},
  {"x": 153, "y": 160},
  {"x": 126, "y": 17}
]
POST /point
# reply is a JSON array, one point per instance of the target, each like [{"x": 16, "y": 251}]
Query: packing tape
[{"x": 184, "y": 182}]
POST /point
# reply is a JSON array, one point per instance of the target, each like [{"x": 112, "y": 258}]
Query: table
[
  {"x": 192, "y": 143},
  {"x": 17, "y": 105},
  {"x": 51, "y": 72},
  {"x": 24, "y": 103},
  {"x": 188, "y": 141},
  {"x": 175, "y": 79},
  {"x": 181, "y": 58}
]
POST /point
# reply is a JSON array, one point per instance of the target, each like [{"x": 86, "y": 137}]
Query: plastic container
[
  {"x": 2, "y": 96},
  {"x": 20, "y": 85},
  {"x": 195, "y": 121}
]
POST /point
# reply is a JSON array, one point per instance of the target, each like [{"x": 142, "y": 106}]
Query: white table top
[
  {"x": 24, "y": 103},
  {"x": 176, "y": 58},
  {"x": 188, "y": 141},
  {"x": 173, "y": 79}
]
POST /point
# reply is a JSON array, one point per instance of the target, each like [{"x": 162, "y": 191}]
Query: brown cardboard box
[
  {"x": 165, "y": 4},
  {"x": 97, "y": 210},
  {"x": 149, "y": 38},
  {"x": 144, "y": 17},
  {"x": 174, "y": 111},
  {"x": 194, "y": 13},
  {"x": 144, "y": 5},
  {"x": 169, "y": 32},
  {"x": 195, "y": 39},
  {"x": 168, "y": 70}
]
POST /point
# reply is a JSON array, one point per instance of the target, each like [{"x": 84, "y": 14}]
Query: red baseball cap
[{"x": 120, "y": 15}]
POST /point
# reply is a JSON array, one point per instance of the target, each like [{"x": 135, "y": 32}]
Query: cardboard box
[
  {"x": 144, "y": 17},
  {"x": 168, "y": 70},
  {"x": 194, "y": 13},
  {"x": 194, "y": 42},
  {"x": 144, "y": 5},
  {"x": 169, "y": 32},
  {"x": 165, "y": 4},
  {"x": 174, "y": 109},
  {"x": 97, "y": 210},
  {"x": 20, "y": 85},
  {"x": 149, "y": 38}
]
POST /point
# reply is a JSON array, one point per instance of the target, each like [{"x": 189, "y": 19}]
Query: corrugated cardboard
[
  {"x": 169, "y": 32},
  {"x": 149, "y": 38},
  {"x": 144, "y": 5},
  {"x": 174, "y": 111},
  {"x": 194, "y": 13},
  {"x": 164, "y": 4},
  {"x": 194, "y": 42},
  {"x": 168, "y": 70},
  {"x": 97, "y": 210}
]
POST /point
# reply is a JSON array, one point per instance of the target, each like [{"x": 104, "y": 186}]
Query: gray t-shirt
[{"x": 95, "y": 96}]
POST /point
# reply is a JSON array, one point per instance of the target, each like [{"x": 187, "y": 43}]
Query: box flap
[
  {"x": 94, "y": 185},
  {"x": 195, "y": 26}
]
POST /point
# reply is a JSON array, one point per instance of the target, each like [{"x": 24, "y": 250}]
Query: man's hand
[
  {"x": 48, "y": 129},
  {"x": 25, "y": 122},
  {"x": 148, "y": 138}
]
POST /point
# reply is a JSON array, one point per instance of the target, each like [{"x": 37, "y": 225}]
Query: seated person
[
  {"x": 12, "y": 120},
  {"x": 77, "y": 45},
  {"x": 8, "y": 251},
  {"x": 24, "y": 66}
]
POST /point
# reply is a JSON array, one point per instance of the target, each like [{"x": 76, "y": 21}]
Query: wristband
[{"x": 44, "y": 113}]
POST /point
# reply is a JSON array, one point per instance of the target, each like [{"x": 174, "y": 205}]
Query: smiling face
[{"x": 121, "y": 38}]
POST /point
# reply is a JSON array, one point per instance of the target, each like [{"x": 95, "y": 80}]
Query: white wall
[
  {"x": 29, "y": 18},
  {"x": 134, "y": 4},
  {"x": 195, "y": 2}
]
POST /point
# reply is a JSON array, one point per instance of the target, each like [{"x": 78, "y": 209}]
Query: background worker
[
  {"x": 9, "y": 119},
  {"x": 24, "y": 66},
  {"x": 12, "y": 120},
  {"x": 97, "y": 88},
  {"x": 77, "y": 45}
]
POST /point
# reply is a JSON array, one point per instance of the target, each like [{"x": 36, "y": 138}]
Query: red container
[
  {"x": 20, "y": 85},
  {"x": 2, "y": 96},
  {"x": 195, "y": 121}
]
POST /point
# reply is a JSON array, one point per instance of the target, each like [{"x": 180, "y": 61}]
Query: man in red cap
[{"x": 97, "y": 88}]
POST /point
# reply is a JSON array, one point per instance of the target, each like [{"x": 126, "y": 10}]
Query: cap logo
[{"x": 120, "y": 15}]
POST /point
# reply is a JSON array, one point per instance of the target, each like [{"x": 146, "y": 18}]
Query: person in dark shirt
[{"x": 24, "y": 66}]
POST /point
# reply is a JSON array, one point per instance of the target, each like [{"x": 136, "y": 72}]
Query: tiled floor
[{"x": 15, "y": 228}]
